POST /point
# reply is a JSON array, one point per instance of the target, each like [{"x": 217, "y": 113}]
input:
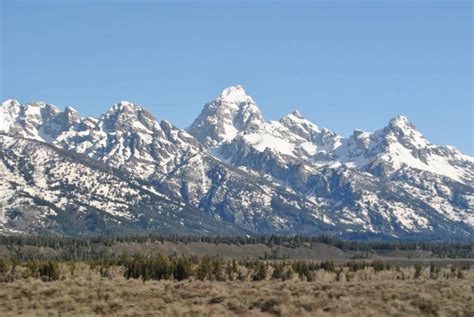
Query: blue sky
[{"x": 343, "y": 64}]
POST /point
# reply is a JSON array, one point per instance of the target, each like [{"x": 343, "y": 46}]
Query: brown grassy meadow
[{"x": 83, "y": 290}]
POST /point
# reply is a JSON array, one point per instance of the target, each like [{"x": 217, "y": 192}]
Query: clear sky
[{"x": 343, "y": 64}]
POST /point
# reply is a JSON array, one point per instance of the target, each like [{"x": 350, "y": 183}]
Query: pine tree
[
  {"x": 204, "y": 269},
  {"x": 260, "y": 272},
  {"x": 217, "y": 269},
  {"x": 162, "y": 267},
  {"x": 49, "y": 271},
  {"x": 182, "y": 268}
]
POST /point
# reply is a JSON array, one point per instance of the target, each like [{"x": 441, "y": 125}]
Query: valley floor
[{"x": 87, "y": 293}]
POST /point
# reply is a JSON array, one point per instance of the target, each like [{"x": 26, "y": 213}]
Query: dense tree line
[
  {"x": 161, "y": 267},
  {"x": 96, "y": 247}
]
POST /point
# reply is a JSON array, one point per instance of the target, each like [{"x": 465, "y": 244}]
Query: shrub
[
  {"x": 278, "y": 271},
  {"x": 217, "y": 269},
  {"x": 417, "y": 270},
  {"x": 33, "y": 268},
  {"x": 378, "y": 265},
  {"x": 72, "y": 267},
  {"x": 434, "y": 271},
  {"x": 288, "y": 274},
  {"x": 4, "y": 266},
  {"x": 356, "y": 265},
  {"x": 49, "y": 271},
  {"x": 260, "y": 272},
  {"x": 231, "y": 269},
  {"x": 329, "y": 266}
]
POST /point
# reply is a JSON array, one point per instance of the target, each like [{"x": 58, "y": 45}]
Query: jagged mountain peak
[
  {"x": 324, "y": 139},
  {"x": 36, "y": 120},
  {"x": 401, "y": 130},
  {"x": 46, "y": 108},
  {"x": 401, "y": 125},
  {"x": 400, "y": 121},
  {"x": 128, "y": 136},
  {"x": 234, "y": 94},
  {"x": 297, "y": 114},
  {"x": 70, "y": 109},
  {"x": 125, "y": 106},
  {"x": 10, "y": 103},
  {"x": 36, "y": 108},
  {"x": 399, "y": 133},
  {"x": 399, "y": 147},
  {"x": 231, "y": 112},
  {"x": 296, "y": 117},
  {"x": 236, "y": 100},
  {"x": 128, "y": 116},
  {"x": 398, "y": 130},
  {"x": 299, "y": 125},
  {"x": 11, "y": 109}
]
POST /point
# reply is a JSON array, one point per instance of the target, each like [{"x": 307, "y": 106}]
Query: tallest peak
[
  {"x": 234, "y": 94},
  {"x": 232, "y": 89},
  {"x": 231, "y": 112}
]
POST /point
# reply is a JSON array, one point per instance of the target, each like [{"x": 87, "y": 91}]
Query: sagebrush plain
[{"x": 83, "y": 290}]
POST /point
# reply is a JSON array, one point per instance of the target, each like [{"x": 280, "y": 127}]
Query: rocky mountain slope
[{"x": 235, "y": 172}]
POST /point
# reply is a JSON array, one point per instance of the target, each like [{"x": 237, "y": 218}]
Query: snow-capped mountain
[
  {"x": 400, "y": 145},
  {"x": 220, "y": 120},
  {"x": 231, "y": 168},
  {"x": 38, "y": 121},
  {"x": 129, "y": 137},
  {"x": 46, "y": 189},
  {"x": 392, "y": 178}
]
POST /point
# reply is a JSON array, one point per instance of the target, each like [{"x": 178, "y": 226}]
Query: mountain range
[{"x": 230, "y": 173}]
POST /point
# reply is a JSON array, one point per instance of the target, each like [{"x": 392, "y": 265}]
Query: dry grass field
[{"x": 395, "y": 292}]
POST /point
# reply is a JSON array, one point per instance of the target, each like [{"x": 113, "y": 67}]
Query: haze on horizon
[{"x": 344, "y": 65}]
